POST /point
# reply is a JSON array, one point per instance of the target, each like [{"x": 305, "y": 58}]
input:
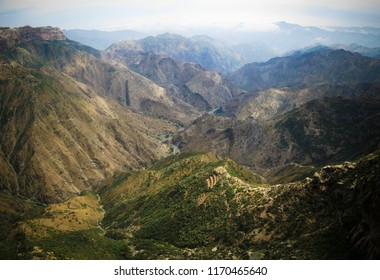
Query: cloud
[
  {"x": 152, "y": 13},
  {"x": 199, "y": 5},
  {"x": 56, "y": 5}
]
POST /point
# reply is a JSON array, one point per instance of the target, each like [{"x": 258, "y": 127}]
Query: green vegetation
[
  {"x": 169, "y": 211},
  {"x": 327, "y": 129},
  {"x": 87, "y": 244},
  {"x": 68, "y": 141},
  {"x": 176, "y": 215},
  {"x": 176, "y": 207},
  {"x": 289, "y": 173}
]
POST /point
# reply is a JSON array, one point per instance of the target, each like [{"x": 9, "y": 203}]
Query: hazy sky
[{"x": 161, "y": 14}]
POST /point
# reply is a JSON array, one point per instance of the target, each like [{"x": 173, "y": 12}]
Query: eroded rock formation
[{"x": 12, "y": 36}]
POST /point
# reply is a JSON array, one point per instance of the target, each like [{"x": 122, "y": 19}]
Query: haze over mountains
[
  {"x": 87, "y": 138},
  {"x": 226, "y": 50}
]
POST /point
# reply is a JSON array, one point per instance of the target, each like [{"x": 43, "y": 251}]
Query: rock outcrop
[{"x": 9, "y": 37}]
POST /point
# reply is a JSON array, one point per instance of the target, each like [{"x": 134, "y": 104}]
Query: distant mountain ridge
[
  {"x": 319, "y": 65},
  {"x": 203, "y": 89},
  {"x": 101, "y": 39},
  {"x": 203, "y": 52},
  {"x": 282, "y": 37},
  {"x": 354, "y": 48},
  {"x": 294, "y": 36},
  {"x": 370, "y": 52}
]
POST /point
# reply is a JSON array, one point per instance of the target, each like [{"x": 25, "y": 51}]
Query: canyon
[{"x": 278, "y": 159}]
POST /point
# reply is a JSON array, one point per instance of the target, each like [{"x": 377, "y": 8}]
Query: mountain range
[
  {"x": 278, "y": 159},
  {"x": 227, "y": 50},
  {"x": 201, "y": 50},
  {"x": 307, "y": 97},
  {"x": 318, "y": 65},
  {"x": 101, "y": 39}
]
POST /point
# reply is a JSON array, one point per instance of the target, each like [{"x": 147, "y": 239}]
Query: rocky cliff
[{"x": 11, "y": 36}]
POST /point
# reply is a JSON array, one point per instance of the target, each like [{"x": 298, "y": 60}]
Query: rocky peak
[{"x": 12, "y": 36}]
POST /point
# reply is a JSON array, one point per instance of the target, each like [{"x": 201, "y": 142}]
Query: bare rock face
[{"x": 12, "y": 36}]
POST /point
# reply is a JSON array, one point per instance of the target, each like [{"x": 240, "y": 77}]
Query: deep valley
[{"x": 169, "y": 147}]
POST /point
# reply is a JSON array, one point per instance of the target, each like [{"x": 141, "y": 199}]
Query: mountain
[
  {"x": 265, "y": 104},
  {"x": 253, "y": 52},
  {"x": 318, "y": 132},
  {"x": 200, "y": 206},
  {"x": 101, "y": 39},
  {"x": 284, "y": 36},
  {"x": 88, "y": 137},
  {"x": 291, "y": 35},
  {"x": 62, "y": 129},
  {"x": 11, "y": 37},
  {"x": 202, "y": 89},
  {"x": 118, "y": 82},
  {"x": 207, "y": 53},
  {"x": 248, "y": 43},
  {"x": 227, "y": 50},
  {"x": 320, "y": 65},
  {"x": 355, "y": 48}
]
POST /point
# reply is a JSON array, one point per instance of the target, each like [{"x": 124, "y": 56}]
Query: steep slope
[
  {"x": 318, "y": 132},
  {"x": 188, "y": 81},
  {"x": 315, "y": 67},
  {"x": 116, "y": 81},
  {"x": 59, "y": 135},
  {"x": 202, "y": 206}
]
